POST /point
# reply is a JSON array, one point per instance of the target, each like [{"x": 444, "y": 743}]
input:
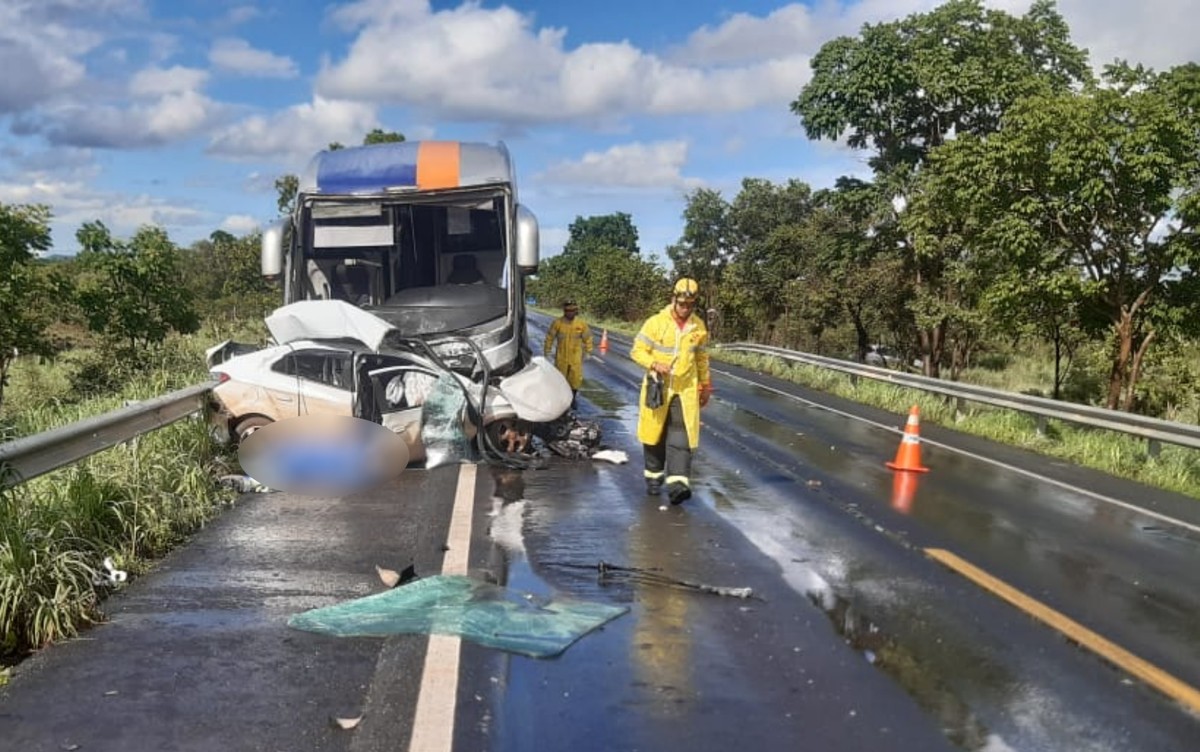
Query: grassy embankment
[{"x": 132, "y": 503}]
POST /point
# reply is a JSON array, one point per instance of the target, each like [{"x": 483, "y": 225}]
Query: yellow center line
[
  {"x": 433, "y": 723},
  {"x": 1122, "y": 658}
]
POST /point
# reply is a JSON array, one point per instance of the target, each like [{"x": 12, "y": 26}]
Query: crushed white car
[{"x": 330, "y": 357}]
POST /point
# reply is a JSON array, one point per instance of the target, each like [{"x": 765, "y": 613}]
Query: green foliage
[
  {"x": 614, "y": 230},
  {"x": 605, "y": 279},
  {"x": 133, "y": 295},
  {"x": 27, "y": 294},
  {"x": 707, "y": 244},
  {"x": 1081, "y": 210},
  {"x": 133, "y": 502},
  {"x": 380, "y": 136},
  {"x": 224, "y": 273},
  {"x": 46, "y": 591},
  {"x": 287, "y": 187},
  {"x": 902, "y": 89}
]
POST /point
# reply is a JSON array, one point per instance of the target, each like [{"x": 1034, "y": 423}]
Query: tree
[
  {"x": 224, "y": 273},
  {"x": 856, "y": 261},
  {"x": 902, "y": 88},
  {"x": 379, "y": 136},
  {"x": 133, "y": 296},
  {"x": 704, "y": 249},
  {"x": 287, "y": 187},
  {"x": 602, "y": 270},
  {"x": 614, "y": 230},
  {"x": 26, "y": 297},
  {"x": 1104, "y": 183}
]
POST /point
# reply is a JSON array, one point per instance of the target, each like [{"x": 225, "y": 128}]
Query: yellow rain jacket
[
  {"x": 661, "y": 340},
  {"x": 572, "y": 338}
]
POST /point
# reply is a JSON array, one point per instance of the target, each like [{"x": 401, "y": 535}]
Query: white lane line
[
  {"x": 982, "y": 458},
  {"x": 433, "y": 724}
]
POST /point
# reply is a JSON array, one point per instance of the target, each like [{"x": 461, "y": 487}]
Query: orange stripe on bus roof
[{"x": 437, "y": 164}]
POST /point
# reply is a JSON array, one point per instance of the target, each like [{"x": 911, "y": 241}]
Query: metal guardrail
[
  {"x": 35, "y": 455},
  {"x": 1154, "y": 430}
]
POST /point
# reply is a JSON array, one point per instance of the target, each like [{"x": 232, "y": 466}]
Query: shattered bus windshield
[{"x": 427, "y": 268}]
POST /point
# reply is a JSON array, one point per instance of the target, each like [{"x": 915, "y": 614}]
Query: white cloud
[
  {"x": 76, "y": 201},
  {"x": 1141, "y": 33},
  {"x": 239, "y": 224},
  {"x": 38, "y": 55},
  {"x": 173, "y": 117},
  {"x": 635, "y": 165},
  {"x": 241, "y": 14},
  {"x": 295, "y": 133},
  {"x": 157, "y": 82},
  {"x": 552, "y": 240},
  {"x": 744, "y": 37},
  {"x": 473, "y": 62},
  {"x": 237, "y": 56}
]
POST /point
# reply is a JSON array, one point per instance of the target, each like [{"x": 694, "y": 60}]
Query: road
[{"x": 857, "y": 639}]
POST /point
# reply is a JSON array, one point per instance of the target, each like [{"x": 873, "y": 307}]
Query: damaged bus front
[{"x": 428, "y": 236}]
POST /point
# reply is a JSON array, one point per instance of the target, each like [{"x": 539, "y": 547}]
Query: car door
[
  {"x": 314, "y": 381},
  {"x": 392, "y": 393}
]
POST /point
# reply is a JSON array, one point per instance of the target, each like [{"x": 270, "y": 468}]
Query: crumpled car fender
[{"x": 538, "y": 393}]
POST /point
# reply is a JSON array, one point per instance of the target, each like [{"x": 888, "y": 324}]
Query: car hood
[{"x": 327, "y": 319}]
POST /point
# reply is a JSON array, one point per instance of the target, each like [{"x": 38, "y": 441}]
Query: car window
[{"x": 329, "y": 368}]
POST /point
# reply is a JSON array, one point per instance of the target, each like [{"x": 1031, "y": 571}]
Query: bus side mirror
[
  {"x": 527, "y": 241},
  {"x": 272, "y": 248}
]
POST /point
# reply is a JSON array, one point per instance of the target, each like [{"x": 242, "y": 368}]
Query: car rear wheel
[{"x": 247, "y": 426}]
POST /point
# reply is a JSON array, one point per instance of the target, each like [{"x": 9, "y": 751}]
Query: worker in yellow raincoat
[
  {"x": 570, "y": 337},
  {"x": 672, "y": 346}
]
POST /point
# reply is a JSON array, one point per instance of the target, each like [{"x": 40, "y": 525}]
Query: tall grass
[{"x": 132, "y": 503}]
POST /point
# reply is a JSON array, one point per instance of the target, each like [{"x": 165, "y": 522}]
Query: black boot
[
  {"x": 678, "y": 493},
  {"x": 653, "y": 486}
]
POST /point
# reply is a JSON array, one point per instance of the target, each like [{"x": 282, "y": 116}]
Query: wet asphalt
[{"x": 855, "y": 639}]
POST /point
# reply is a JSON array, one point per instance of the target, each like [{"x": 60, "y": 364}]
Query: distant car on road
[{"x": 882, "y": 356}]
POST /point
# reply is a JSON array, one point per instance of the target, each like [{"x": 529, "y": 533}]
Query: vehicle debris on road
[
  {"x": 609, "y": 571},
  {"x": 487, "y": 614}
]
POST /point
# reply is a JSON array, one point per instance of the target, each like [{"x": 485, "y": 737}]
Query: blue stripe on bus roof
[{"x": 368, "y": 170}]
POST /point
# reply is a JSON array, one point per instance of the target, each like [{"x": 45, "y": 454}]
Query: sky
[{"x": 181, "y": 113}]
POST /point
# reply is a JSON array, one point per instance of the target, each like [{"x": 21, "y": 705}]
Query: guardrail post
[
  {"x": 854, "y": 380},
  {"x": 1153, "y": 448},
  {"x": 1041, "y": 426}
]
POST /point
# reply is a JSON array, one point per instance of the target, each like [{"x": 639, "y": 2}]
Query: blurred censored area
[{"x": 323, "y": 455}]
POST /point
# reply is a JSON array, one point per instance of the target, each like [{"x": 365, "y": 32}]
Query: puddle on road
[
  {"x": 906, "y": 668},
  {"x": 983, "y": 703}
]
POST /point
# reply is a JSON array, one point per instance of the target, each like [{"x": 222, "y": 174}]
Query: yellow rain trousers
[{"x": 570, "y": 338}]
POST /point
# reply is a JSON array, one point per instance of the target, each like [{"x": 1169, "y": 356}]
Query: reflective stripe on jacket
[
  {"x": 570, "y": 339},
  {"x": 661, "y": 340}
]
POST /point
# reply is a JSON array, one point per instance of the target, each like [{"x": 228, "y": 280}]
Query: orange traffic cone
[
  {"x": 908, "y": 456},
  {"x": 604, "y": 342}
]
